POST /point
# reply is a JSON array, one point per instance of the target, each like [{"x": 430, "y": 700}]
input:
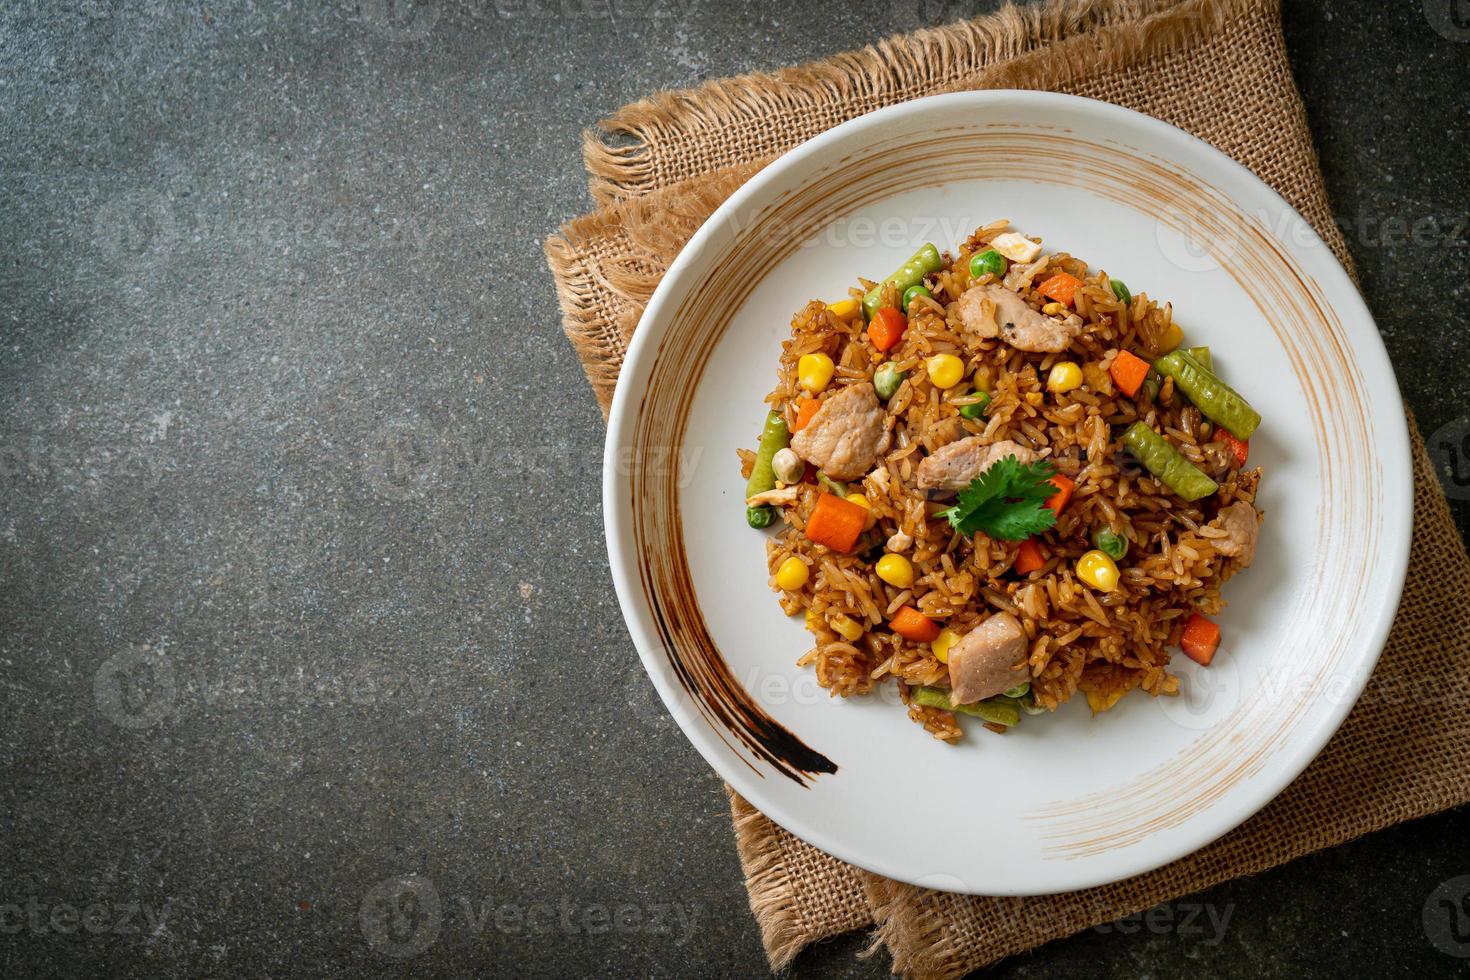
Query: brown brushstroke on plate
[
  {"x": 1182, "y": 786},
  {"x": 697, "y": 663}
]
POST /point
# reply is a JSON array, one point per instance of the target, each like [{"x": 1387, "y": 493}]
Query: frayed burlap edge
[
  {"x": 772, "y": 897},
  {"x": 657, "y": 221},
  {"x": 918, "y": 926},
  {"x": 900, "y": 68},
  {"x": 625, "y": 250}
]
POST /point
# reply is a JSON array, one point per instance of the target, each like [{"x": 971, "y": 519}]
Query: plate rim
[{"x": 1343, "y": 296}]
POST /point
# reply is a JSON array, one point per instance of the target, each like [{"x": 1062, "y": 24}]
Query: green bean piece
[
  {"x": 1152, "y": 382},
  {"x": 976, "y": 409},
  {"x": 1019, "y": 691},
  {"x": 1025, "y": 703},
  {"x": 1165, "y": 462},
  {"x": 989, "y": 261},
  {"x": 887, "y": 379},
  {"x": 912, "y": 293},
  {"x": 932, "y": 697},
  {"x": 994, "y": 711},
  {"x": 1201, "y": 354},
  {"x": 1214, "y": 398},
  {"x": 1114, "y": 545},
  {"x": 774, "y": 438},
  {"x": 834, "y": 486},
  {"x": 1120, "y": 290},
  {"x": 911, "y": 273}
]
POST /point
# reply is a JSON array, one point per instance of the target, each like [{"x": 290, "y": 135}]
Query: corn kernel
[
  {"x": 814, "y": 371},
  {"x": 1054, "y": 309},
  {"x": 1064, "y": 376},
  {"x": 849, "y": 628},
  {"x": 861, "y": 501},
  {"x": 941, "y": 644},
  {"x": 896, "y": 571},
  {"x": 1171, "y": 338},
  {"x": 945, "y": 370},
  {"x": 813, "y": 621},
  {"x": 1100, "y": 701},
  {"x": 1098, "y": 570},
  {"x": 843, "y": 308},
  {"x": 792, "y": 574}
]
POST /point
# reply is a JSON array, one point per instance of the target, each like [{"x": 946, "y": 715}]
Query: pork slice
[
  {"x": 846, "y": 435},
  {"x": 1242, "y": 526},
  {"x": 952, "y": 467},
  {"x": 977, "y": 313},
  {"x": 783, "y": 497},
  {"x": 988, "y": 660},
  {"x": 994, "y": 311}
]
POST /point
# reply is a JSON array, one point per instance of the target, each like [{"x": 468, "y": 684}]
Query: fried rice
[{"x": 1078, "y": 638}]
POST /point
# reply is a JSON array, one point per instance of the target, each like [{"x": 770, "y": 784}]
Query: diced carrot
[
  {"x": 805, "y": 409},
  {"x": 1061, "y": 287},
  {"x": 1240, "y": 449},
  {"x": 887, "y": 328},
  {"x": 1200, "y": 640},
  {"x": 1029, "y": 557},
  {"x": 836, "y": 523},
  {"x": 1128, "y": 371},
  {"x": 1058, "y": 500},
  {"x": 911, "y": 624}
]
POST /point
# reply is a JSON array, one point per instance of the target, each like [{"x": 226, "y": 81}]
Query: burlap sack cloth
[{"x": 1217, "y": 68}]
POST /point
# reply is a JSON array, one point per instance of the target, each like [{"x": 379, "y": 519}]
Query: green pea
[
  {"x": 911, "y": 292},
  {"x": 1115, "y": 546},
  {"x": 887, "y": 379},
  {"x": 976, "y": 409},
  {"x": 1120, "y": 290},
  {"x": 989, "y": 261},
  {"x": 759, "y": 517}
]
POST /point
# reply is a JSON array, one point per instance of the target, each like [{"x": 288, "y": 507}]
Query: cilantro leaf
[{"x": 1006, "y": 501}]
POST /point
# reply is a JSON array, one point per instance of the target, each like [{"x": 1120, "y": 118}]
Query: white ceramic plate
[{"x": 1065, "y": 801}]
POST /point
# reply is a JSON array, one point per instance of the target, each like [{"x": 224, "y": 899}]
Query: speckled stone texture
[{"x": 309, "y": 654}]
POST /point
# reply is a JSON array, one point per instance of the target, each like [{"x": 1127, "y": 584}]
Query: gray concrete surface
[{"x": 302, "y": 582}]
